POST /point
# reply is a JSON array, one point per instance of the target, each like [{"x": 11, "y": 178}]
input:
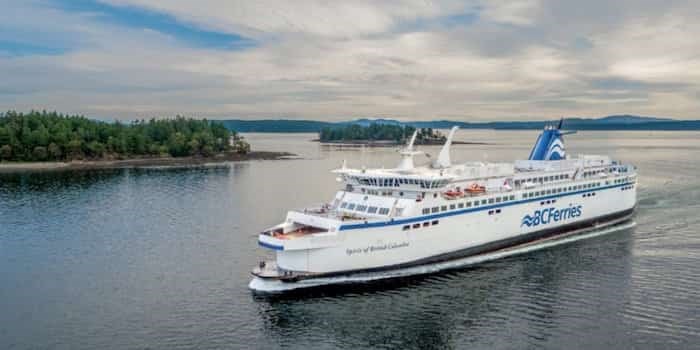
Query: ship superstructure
[{"x": 410, "y": 215}]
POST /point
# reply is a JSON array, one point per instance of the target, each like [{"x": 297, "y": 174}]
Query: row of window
[
  {"x": 561, "y": 190},
  {"x": 625, "y": 188},
  {"x": 418, "y": 225},
  {"x": 595, "y": 172},
  {"x": 380, "y": 193},
  {"x": 468, "y": 204},
  {"x": 364, "y": 208},
  {"x": 396, "y": 182},
  {"x": 542, "y": 179},
  {"x": 494, "y": 211},
  {"x": 549, "y": 201},
  {"x": 589, "y": 194}
]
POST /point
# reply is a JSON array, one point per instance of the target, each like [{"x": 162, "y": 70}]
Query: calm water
[{"x": 160, "y": 259}]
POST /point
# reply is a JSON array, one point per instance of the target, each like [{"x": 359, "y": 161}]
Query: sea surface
[{"x": 159, "y": 258}]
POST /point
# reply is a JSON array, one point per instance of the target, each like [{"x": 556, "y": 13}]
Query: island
[
  {"x": 50, "y": 140},
  {"x": 378, "y": 135}
]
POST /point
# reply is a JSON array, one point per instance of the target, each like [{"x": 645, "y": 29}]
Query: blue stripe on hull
[
  {"x": 270, "y": 246},
  {"x": 464, "y": 211}
]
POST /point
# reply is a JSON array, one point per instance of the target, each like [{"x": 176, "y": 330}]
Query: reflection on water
[
  {"x": 520, "y": 300},
  {"x": 160, "y": 258}
]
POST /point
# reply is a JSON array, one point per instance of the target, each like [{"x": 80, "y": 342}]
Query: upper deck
[{"x": 379, "y": 195}]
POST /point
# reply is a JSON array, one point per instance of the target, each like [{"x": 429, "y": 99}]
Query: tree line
[
  {"x": 51, "y": 136},
  {"x": 378, "y": 132}
]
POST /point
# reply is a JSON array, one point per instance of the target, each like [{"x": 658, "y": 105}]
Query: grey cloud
[{"x": 511, "y": 60}]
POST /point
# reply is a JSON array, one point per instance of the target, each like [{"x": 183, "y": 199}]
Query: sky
[{"x": 338, "y": 60}]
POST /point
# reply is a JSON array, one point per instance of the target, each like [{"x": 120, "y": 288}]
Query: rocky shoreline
[{"x": 7, "y": 167}]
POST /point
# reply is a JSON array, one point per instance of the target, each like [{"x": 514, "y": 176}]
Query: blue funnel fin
[{"x": 549, "y": 145}]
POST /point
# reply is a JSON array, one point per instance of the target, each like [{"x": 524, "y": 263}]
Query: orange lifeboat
[
  {"x": 475, "y": 188},
  {"x": 452, "y": 194}
]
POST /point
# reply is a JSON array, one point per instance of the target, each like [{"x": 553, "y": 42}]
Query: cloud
[
  {"x": 314, "y": 59},
  {"x": 266, "y": 18}
]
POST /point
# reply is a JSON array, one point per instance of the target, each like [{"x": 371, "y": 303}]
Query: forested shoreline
[
  {"x": 379, "y": 132},
  {"x": 50, "y": 136}
]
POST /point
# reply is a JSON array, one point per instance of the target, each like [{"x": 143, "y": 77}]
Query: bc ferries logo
[{"x": 545, "y": 216}]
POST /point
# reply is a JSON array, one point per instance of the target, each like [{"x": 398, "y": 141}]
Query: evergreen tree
[{"x": 53, "y": 136}]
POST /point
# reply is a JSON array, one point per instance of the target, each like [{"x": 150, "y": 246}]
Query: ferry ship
[{"x": 387, "y": 219}]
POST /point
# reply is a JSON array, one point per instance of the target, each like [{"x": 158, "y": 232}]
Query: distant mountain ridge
[{"x": 612, "y": 122}]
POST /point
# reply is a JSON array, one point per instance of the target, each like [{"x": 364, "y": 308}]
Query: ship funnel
[
  {"x": 443, "y": 159},
  {"x": 550, "y": 144}
]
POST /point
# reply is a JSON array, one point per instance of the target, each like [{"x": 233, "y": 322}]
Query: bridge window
[
  {"x": 383, "y": 211},
  {"x": 361, "y": 208},
  {"x": 351, "y": 206},
  {"x": 343, "y": 205},
  {"x": 372, "y": 210}
]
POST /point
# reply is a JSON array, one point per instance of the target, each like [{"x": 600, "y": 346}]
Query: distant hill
[
  {"x": 279, "y": 125},
  {"x": 630, "y": 119},
  {"x": 613, "y": 122}
]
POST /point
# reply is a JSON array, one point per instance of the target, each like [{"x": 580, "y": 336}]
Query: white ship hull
[{"x": 457, "y": 234}]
